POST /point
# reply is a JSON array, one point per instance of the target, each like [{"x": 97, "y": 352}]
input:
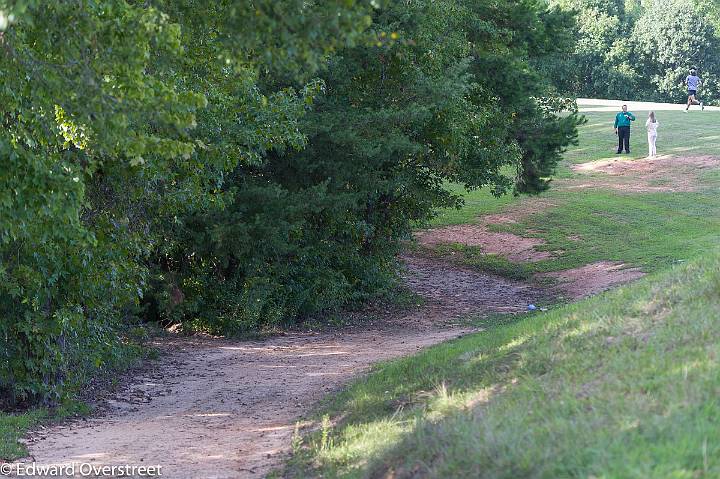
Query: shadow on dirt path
[{"x": 227, "y": 409}]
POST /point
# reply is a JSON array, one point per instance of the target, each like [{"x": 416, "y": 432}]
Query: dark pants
[{"x": 624, "y": 138}]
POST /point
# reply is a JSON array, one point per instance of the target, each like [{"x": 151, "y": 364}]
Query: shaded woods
[{"x": 237, "y": 166}]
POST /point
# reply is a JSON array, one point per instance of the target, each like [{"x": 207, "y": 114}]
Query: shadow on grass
[{"x": 622, "y": 385}]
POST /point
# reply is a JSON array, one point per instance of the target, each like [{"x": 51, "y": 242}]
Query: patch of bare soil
[
  {"x": 594, "y": 278},
  {"x": 518, "y": 212},
  {"x": 513, "y": 247},
  {"x": 453, "y": 292},
  {"x": 215, "y": 408},
  {"x": 660, "y": 174}
]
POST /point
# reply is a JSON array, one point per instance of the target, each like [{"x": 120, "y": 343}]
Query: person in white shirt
[
  {"x": 652, "y": 125},
  {"x": 693, "y": 83}
]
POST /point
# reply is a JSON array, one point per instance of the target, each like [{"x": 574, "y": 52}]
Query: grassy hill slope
[{"x": 622, "y": 385}]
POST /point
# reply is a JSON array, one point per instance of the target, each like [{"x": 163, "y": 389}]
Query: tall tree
[
  {"x": 669, "y": 42},
  {"x": 445, "y": 92},
  {"x": 637, "y": 49},
  {"x": 98, "y": 111},
  {"x": 235, "y": 165}
]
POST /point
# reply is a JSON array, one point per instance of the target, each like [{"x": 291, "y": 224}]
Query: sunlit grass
[
  {"x": 623, "y": 385},
  {"x": 694, "y": 133},
  {"x": 615, "y": 226}
]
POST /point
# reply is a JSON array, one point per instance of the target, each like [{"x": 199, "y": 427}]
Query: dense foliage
[
  {"x": 639, "y": 50},
  {"x": 231, "y": 166}
]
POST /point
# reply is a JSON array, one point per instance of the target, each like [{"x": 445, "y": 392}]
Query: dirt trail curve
[{"x": 224, "y": 409}]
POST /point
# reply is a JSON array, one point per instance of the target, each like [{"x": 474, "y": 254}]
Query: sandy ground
[
  {"x": 593, "y": 278},
  {"x": 227, "y": 409},
  {"x": 513, "y": 247},
  {"x": 574, "y": 284},
  {"x": 660, "y": 174}
]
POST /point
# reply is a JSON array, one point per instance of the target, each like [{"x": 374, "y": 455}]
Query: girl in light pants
[{"x": 652, "y": 125}]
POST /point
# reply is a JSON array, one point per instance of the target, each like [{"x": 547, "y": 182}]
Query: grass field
[
  {"x": 694, "y": 133},
  {"x": 687, "y": 222},
  {"x": 679, "y": 133},
  {"x": 622, "y": 385}
]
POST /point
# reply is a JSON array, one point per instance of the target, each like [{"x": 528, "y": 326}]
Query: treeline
[
  {"x": 639, "y": 49},
  {"x": 233, "y": 166}
]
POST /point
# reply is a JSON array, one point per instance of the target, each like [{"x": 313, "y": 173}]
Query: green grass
[
  {"x": 647, "y": 230},
  {"x": 477, "y": 202},
  {"x": 694, "y": 133},
  {"x": 623, "y": 385},
  {"x": 13, "y": 426}
]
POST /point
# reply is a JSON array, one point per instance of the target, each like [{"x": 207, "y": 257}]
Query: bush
[
  {"x": 324, "y": 131},
  {"x": 312, "y": 228}
]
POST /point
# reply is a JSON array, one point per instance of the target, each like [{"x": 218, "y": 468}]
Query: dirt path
[
  {"x": 666, "y": 173},
  {"x": 224, "y": 409}
]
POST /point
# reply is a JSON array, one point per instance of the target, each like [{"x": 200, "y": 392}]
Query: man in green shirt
[{"x": 622, "y": 129}]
